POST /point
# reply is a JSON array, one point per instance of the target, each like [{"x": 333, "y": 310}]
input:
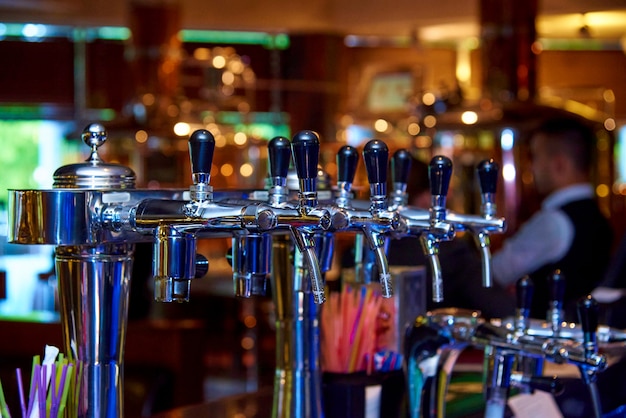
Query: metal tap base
[
  {"x": 94, "y": 286},
  {"x": 297, "y": 380}
]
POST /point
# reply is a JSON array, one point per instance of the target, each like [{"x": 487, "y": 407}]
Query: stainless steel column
[{"x": 94, "y": 287}]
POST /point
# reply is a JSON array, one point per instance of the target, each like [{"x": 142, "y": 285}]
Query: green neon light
[
  {"x": 113, "y": 33},
  {"x": 235, "y": 118},
  {"x": 263, "y": 130},
  {"x": 579, "y": 44},
  {"x": 43, "y": 112},
  {"x": 280, "y": 41},
  {"x": 120, "y": 33}
]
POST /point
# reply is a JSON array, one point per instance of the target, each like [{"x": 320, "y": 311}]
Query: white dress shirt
[{"x": 544, "y": 238}]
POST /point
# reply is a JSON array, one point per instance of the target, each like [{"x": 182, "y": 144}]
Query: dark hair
[{"x": 569, "y": 136}]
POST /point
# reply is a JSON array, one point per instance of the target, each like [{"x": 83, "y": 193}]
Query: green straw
[
  {"x": 4, "y": 408},
  {"x": 66, "y": 387}
]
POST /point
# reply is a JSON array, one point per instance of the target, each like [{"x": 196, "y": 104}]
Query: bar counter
[{"x": 247, "y": 405}]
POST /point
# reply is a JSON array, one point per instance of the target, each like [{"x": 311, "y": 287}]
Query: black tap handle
[
  {"x": 550, "y": 384},
  {"x": 588, "y": 311},
  {"x": 376, "y": 158},
  {"x": 401, "y": 165},
  {"x": 305, "y": 146},
  {"x": 524, "y": 292},
  {"x": 439, "y": 174},
  {"x": 201, "y": 147},
  {"x": 347, "y": 161},
  {"x": 488, "y": 175},
  {"x": 279, "y": 155},
  {"x": 556, "y": 284}
]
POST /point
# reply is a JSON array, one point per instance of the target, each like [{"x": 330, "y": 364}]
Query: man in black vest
[{"x": 570, "y": 232}]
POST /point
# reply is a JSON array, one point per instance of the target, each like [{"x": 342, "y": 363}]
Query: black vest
[{"x": 585, "y": 263}]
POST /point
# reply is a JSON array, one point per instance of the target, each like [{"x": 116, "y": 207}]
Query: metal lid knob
[{"x": 94, "y": 173}]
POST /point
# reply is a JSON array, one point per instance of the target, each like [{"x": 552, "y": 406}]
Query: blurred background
[{"x": 465, "y": 79}]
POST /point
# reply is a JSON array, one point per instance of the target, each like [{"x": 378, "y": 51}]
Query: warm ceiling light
[
  {"x": 413, "y": 128},
  {"x": 240, "y": 138},
  {"x": 246, "y": 170},
  {"x": 182, "y": 129},
  {"x": 469, "y": 117},
  {"x": 428, "y": 99},
  {"x": 219, "y": 61},
  {"x": 141, "y": 136},
  {"x": 430, "y": 121},
  {"x": 381, "y": 125}
]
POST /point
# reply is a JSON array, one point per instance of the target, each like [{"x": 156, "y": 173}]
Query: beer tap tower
[
  {"x": 297, "y": 379},
  {"x": 372, "y": 224},
  {"x": 94, "y": 216}
]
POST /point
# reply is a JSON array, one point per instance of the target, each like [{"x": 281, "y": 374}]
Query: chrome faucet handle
[
  {"x": 279, "y": 157},
  {"x": 347, "y": 162},
  {"x": 550, "y": 384},
  {"x": 279, "y": 153},
  {"x": 376, "y": 156},
  {"x": 524, "y": 296},
  {"x": 488, "y": 179},
  {"x": 201, "y": 148},
  {"x": 439, "y": 175},
  {"x": 305, "y": 147},
  {"x": 588, "y": 309},
  {"x": 556, "y": 285},
  {"x": 482, "y": 226},
  {"x": 400, "y": 167}
]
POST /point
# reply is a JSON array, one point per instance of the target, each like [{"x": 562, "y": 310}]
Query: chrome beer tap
[
  {"x": 513, "y": 357},
  {"x": 439, "y": 173},
  {"x": 505, "y": 368},
  {"x": 250, "y": 255},
  {"x": 429, "y": 225},
  {"x": 305, "y": 147},
  {"x": 431, "y": 347},
  {"x": 556, "y": 283},
  {"x": 482, "y": 226},
  {"x": 377, "y": 221},
  {"x": 587, "y": 309},
  {"x": 400, "y": 168},
  {"x": 441, "y": 224},
  {"x": 297, "y": 379},
  {"x": 177, "y": 224},
  {"x": 520, "y": 356},
  {"x": 347, "y": 163}
]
